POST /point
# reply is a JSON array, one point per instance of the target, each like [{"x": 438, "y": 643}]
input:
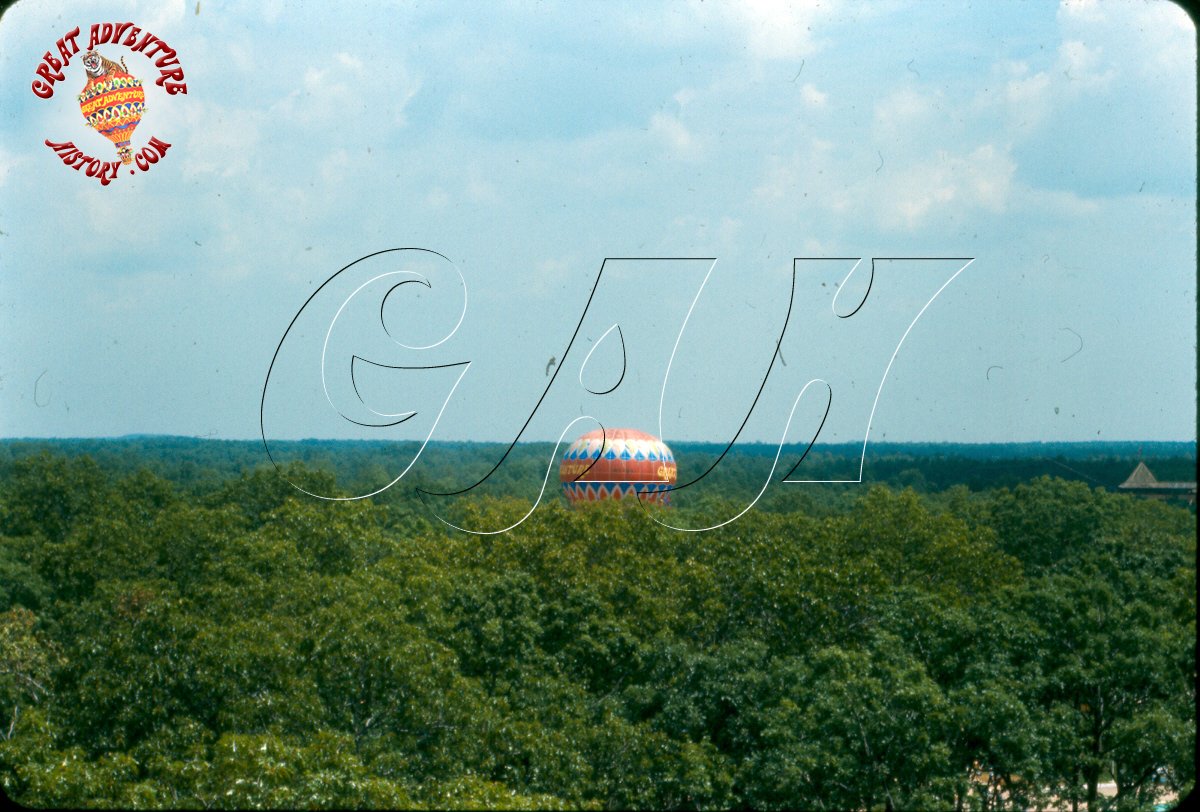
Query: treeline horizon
[
  {"x": 1152, "y": 447},
  {"x": 363, "y": 466}
]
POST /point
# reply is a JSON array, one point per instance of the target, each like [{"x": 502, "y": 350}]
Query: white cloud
[
  {"x": 241, "y": 54},
  {"x": 481, "y": 191},
  {"x": 119, "y": 297},
  {"x": 981, "y": 179},
  {"x": 342, "y": 90},
  {"x": 221, "y": 141},
  {"x": 8, "y": 162},
  {"x": 812, "y": 96},
  {"x": 437, "y": 198},
  {"x": 679, "y": 140},
  {"x": 350, "y": 61},
  {"x": 1028, "y": 99},
  {"x": 1029, "y": 95},
  {"x": 271, "y": 9},
  {"x": 1081, "y": 63},
  {"x": 903, "y": 113},
  {"x": 728, "y": 230},
  {"x": 335, "y": 165},
  {"x": 777, "y": 29},
  {"x": 684, "y": 97},
  {"x": 1149, "y": 38},
  {"x": 1056, "y": 203},
  {"x": 810, "y": 169},
  {"x": 760, "y": 29},
  {"x": 161, "y": 17},
  {"x": 1080, "y": 9},
  {"x": 548, "y": 278}
]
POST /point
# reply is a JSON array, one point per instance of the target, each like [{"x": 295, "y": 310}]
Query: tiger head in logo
[{"x": 97, "y": 67}]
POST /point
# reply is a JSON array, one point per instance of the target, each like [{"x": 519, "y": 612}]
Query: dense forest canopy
[{"x": 182, "y": 628}]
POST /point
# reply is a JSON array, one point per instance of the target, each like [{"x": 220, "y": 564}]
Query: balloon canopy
[
  {"x": 113, "y": 105},
  {"x": 617, "y": 463}
]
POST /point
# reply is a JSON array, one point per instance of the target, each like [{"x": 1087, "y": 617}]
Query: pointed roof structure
[
  {"x": 1142, "y": 482},
  {"x": 1140, "y": 478}
]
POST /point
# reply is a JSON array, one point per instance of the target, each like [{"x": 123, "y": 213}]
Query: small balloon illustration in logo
[{"x": 112, "y": 101}]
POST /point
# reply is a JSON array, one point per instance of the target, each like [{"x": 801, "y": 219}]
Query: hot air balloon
[
  {"x": 623, "y": 463},
  {"x": 112, "y": 101}
]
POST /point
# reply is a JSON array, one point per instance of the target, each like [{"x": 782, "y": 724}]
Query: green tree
[
  {"x": 45, "y": 494},
  {"x": 26, "y": 663},
  {"x": 853, "y": 729},
  {"x": 1119, "y": 678}
]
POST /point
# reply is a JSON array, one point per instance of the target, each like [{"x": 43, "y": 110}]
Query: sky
[{"x": 1046, "y": 150}]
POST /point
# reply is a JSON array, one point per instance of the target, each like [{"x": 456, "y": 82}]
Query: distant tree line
[{"x": 198, "y": 466}]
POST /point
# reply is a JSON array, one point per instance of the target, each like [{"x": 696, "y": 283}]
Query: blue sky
[{"x": 526, "y": 142}]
